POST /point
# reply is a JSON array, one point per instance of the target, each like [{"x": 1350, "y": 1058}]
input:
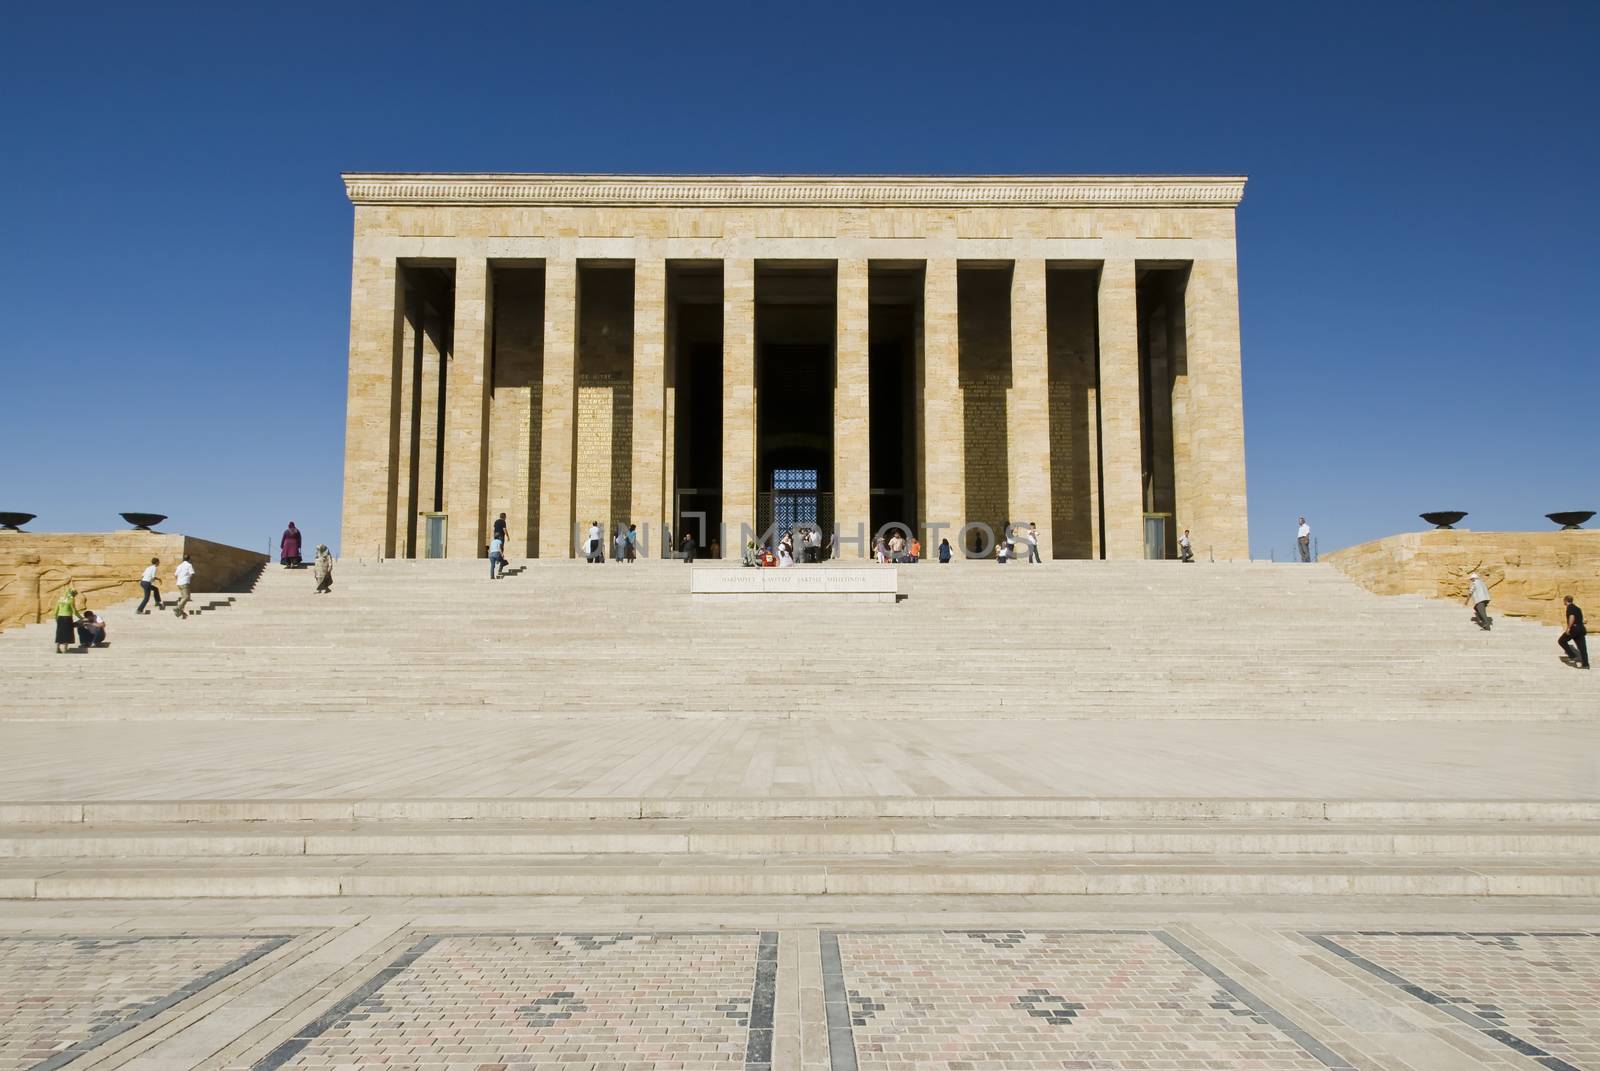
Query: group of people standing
[
  {"x": 1005, "y": 548},
  {"x": 624, "y": 543},
  {"x": 799, "y": 544}
]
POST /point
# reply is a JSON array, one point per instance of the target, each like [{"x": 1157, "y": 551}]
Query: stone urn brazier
[
  {"x": 1444, "y": 518},
  {"x": 143, "y": 522},
  {"x": 13, "y": 522},
  {"x": 1571, "y": 520}
]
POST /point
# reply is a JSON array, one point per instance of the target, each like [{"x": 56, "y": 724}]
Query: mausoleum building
[{"x": 724, "y": 354}]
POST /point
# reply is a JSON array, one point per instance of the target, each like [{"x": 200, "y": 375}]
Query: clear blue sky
[{"x": 1416, "y": 245}]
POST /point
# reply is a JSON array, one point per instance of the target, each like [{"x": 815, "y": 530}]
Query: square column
[
  {"x": 371, "y": 439},
  {"x": 559, "y": 422},
  {"x": 1121, "y": 457},
  {"x": 1212, "y": 460},
  {"x": 406, "y": 386},
  {"x": 649, "y": 398},
  {"x": 852, "y": 435},
  {"x": 738, "y": 401},
  {"x": 466, "y": 414},
  {"x": 1028, "y": 402},
  {"x": 430, "y": 496},
  {"x": 940, "y": 443}
]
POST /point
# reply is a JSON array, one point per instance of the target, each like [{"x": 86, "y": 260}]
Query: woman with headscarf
[
  {"x": 289, "y": 547},
  {"x": 66, "y": 617},
  {"x": 323, "y": 569}
]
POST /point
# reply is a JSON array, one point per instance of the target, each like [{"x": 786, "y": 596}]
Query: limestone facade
[
  {"x": 931, "y": 352},
  {"x": 1527, "y": 572}
]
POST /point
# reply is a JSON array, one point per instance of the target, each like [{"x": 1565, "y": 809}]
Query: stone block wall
[
  {"x": 605, "y": 452},
  {"x": 1074, "y": 453},
  {"x": 105, "y": 568},
  {"x": 1527, "y": 572},
  {"x": 986, "y": 454},
  {"x": 984, "y": 330}
]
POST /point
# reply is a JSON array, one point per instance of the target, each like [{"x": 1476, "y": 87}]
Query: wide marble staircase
[
  {"x": 437, "y": 653},
  {"x": 434, "y": 639}
]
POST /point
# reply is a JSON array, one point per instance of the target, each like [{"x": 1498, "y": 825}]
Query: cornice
[{"x": 796, "y": 191}]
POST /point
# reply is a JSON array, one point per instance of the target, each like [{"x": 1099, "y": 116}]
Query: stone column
[
  {"x": 371, "y": 442},
  {"x": 1122, "y": 485},
  {"x": 466, "y": 413},
  {"x": 738, "y": 401},
  {"x": 943, "y": 491},
  {"x": 852, "y": 435},
  {"x": 429, "y": 497},
  {"x": 559, "y": 415},
  {"x": 1214, "y": 481},
  {"x": 649, "y": 398},
  {"x": 1028, "y": 402},
  {"x": 405, "y": 473}
]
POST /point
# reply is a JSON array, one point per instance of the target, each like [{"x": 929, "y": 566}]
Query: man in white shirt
[
  {"x": 1478, "y": 599},
  {"x": 1303, "y": 537},
  {"x": 1185, "y": 548},
  {"x": 1033, "y": 545},
  {"x": 184, "y": 575},
  {"x": 150, "y": 586}
]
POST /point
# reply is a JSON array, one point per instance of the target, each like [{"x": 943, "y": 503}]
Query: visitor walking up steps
[
  {"x": 496, "y": 557},
  {"x": 183, "y": 575},
  {"x": 1032, "y": 537},
  {"x": 1185, "y": 548},
  {"x": 1575, "y": 641},
  {"x": 1302, "y": 538},
  {"x": 594, "y": 549},
  {"x": 289, "y": 547},
  {"x": 150, "y": 586},
  {"x": 1478, "y": 599}
]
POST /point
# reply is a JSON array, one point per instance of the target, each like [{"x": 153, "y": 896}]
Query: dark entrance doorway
[
  {"x": 895, "y": 311},
  {"x": 694, "y": 400},
  {"x": 795, "y": 344}
]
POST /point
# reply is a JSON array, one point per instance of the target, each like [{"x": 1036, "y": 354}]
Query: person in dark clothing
[
  {"x": 944, "y": 552},
  {"x": 288, "y": 548},
  {"x": 91, "y": 630},
  {"x": 688, "y": 548},
  {"x": 1575, "y": 641}
]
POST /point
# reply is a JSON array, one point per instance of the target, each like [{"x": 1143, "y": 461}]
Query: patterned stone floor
[
  {"x": 1000, "y": 999},
  {"x": 801, "y": 984},
  {"x": 628, "y": 1001},
  {"x": 62, "y": 997},
  {"x": 1538, "y": 994}
]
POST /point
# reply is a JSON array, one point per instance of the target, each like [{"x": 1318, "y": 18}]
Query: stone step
[
  {"x": 968, "y": 874},
  {"x": 488, "y": 838},
  {"x": 292, "y": 812}
]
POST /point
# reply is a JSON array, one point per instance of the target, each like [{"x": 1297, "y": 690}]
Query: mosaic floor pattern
[
  {"x": 1107, "y": 1000},
  {"x": 516, "y": 1002},
  {"x": 1538, "y": 994},
  {"x": 61, "y": 997}
]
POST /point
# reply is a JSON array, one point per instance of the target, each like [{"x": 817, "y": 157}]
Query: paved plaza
[
  {"x": 801, "y": 983},
  {"x": 682, "y": 759}
]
